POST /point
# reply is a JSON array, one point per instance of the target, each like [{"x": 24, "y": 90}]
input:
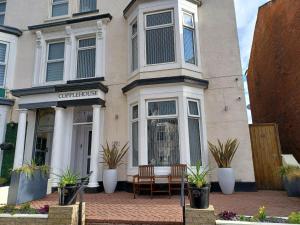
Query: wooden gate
[{"x": 266, "y": 151}]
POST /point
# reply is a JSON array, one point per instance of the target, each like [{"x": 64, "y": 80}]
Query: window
[
  {"x": 163, "y": 137},
  {"x": 55, "y": 62},
  {"x": 189, "y": 38},
  {"x": 87, "y": 5},
  {"x": 86, "y": 61},
  {"x": 2, "y": 11},
  {"x": 3, "y": 62},
  {"x": 134, "y": 46},
  {"x": 60, "y": 7},
  {"x": 194, "y": 131},
  {"x": 134, "y": 135},
  {"x": 160, "y": 44}
]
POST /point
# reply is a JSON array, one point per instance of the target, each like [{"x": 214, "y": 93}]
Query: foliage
[
  {"x": 261, "y": 215},
  {"x": 224, "y": 153},
  {"x": 198, "y": 177},
  {"x": 68, "y": 179},
  {"x": 294, "y": 218},
  {"x": 3, "y": 181},
  {"x": 227, "y": 215},
  {"x": 23, "y": 209},
  {"x": 112, "y": 156},
  {"x": 291, "y": 172},
  {"x": 29, "y": 169}
]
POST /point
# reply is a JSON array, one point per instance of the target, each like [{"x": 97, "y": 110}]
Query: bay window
[
  {"x": 3, "y": 62},
  {"x": 160, "y": 38},
  {"x": 194, "y": 131},
  {"x": 2, "y": 11},
  {"x": 135, "y": 135},
  {"x": 189, "y": 38},
  {"x": 87, "y": 5},
  {"x": 86, "y": 58},
  {"x": 55, "y": 61},
  {"x": 163, "y": 135},
  {"x": 134, "y": 46},
  {"x": 60, "y": 7}
]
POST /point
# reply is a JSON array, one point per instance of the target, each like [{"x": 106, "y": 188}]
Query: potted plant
[
  {"x": 223, "y": 154},
  {"x": 291, "y": 180},
  {"x": 198, "y": 187},
  {"x": 112, "y": 157},
  {"x": 3, "y": 181},
  {"x": 67, "y": 187},
  {"x": 28, "y": 183}
]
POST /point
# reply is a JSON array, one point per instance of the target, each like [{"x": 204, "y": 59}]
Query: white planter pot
[
  {"x": 110, "y": 180},
  {"x": 226, "y": 180}
]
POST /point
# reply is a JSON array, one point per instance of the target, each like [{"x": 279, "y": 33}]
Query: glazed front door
[{"x": 86, "y": 150}]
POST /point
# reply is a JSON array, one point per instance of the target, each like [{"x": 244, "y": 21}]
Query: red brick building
[{"x": 274, "y": 71}]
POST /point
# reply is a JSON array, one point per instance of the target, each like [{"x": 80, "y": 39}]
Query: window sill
[
  {"x": 85, "y": 13},
  {"x": 57, "y": 18}
]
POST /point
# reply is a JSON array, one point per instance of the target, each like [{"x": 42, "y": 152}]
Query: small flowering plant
[{"x": 227, "y": 215}]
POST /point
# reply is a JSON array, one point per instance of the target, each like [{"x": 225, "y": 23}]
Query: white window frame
[
  {"x": 136, "y": 35},
  {"x": 85, "y": 48},
  {"x": 171, "y": 116},
  {"x": 59, "y": 3},
  {"x": 3, "y": 13},
  {"x": 193, "y": 28},
  {"x": 5, "y": 63},
  {"x": 146, "y": 28},
  {"x": 133, "y": 120},
  {"x": 54, "y": 60}
]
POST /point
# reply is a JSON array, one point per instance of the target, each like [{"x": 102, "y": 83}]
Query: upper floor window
[
  {"x": 160, "y": 40},
  {"x": 55, "y": 61},
  {"x": 3, "y": 63},
  {"x": 86, "y": 58},
  {"x": 60, "y": 7},
  {"x": 134, "y": 46},
  {"x": 87, "y": 5},
  {"x": 189, "y": 38},
  {"x": 2, "y": 11}
]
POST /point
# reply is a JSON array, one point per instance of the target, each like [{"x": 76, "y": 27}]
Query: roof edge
[{"x": 11, "y": 30}]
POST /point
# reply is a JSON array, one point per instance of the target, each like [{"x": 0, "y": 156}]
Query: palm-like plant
[
  {"x": 197, "y": 177},
  {"x": 224, "y": 153},
  {"x": 113, "y": 156}
]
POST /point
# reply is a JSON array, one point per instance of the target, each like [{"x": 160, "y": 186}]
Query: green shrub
[
  {"x": 294, "y": 218},
  {"x": 291, "y": 172},
  {"x": 3, "y": 181}
]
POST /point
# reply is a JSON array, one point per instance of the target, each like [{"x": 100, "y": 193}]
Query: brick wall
[{"x": 274, "y": 71}]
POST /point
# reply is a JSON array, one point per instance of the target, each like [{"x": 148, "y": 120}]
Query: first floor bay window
[
  {"x": 160, "y": 38},
  {"x": 55, "y": 62},
  {"x": 194, "y": 131},
  {"x": 2, "y": 11},
  {"x": 86, "y": 58},
  {"x": 189, "y": 38},
  {"x": 163, "y": 136},
  {"x": 3, "y": 61},
  {"x": 135, "y": 135},
  {"x": 60, "y": 7},
  {"x": 87, "y": 5}
]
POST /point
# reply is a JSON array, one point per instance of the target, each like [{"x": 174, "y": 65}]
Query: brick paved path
[{"x": 120, "y": 207}]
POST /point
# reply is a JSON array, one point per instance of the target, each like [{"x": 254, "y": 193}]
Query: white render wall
[{"x": 220, "y": 65}]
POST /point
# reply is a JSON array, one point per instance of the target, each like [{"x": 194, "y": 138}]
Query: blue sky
[{"x": 246, "y": 13}]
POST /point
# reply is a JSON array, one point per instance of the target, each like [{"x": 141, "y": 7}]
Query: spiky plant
[
  {"x": 112, "y": 156},
  {"x": 224, "y": 153},
  {"x": 197, "y": 177}
]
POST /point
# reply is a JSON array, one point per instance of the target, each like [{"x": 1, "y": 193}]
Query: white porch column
[
  {"x": 57, "y": 156},
  {"x": 96, "y": 146},
  {"x": 20, "y": 143}
]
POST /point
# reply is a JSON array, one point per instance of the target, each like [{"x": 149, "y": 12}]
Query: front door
[{"x": 86, "y": 164}]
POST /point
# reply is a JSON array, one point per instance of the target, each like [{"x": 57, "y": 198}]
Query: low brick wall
[
  {"x": 62, "y": 215},
  {"x": 200, "y": 216}
]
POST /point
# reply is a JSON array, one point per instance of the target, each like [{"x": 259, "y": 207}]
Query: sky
[{"x": 246, "y": 13}]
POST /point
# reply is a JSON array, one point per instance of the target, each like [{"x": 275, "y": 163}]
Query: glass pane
[
  {"x": 195, "y": 144},
  {"x": 162, "y": 108},
  {"x": 2, "y": 19},
  {"x": 2, "y": 52},
  {"x": 159, "y": 19},
  {"x": 86, "y": 63},
  {"x": 55, "y": 71},
  {"x": 135, "y": 112},
  {"x": 60, "y": 9},
  {"x": 188, "y": 20},
  {"x": 160, "y": 45},
  {"x": 163, "y": 142},
  {"x": 189, "y": 50},
  {"x": 2, "y": 6},
  {"x": 134, "y": 53},
  {"x": 83, "y": 115},
  {"x": 135, "y": 144},
  {"x": 193, "y": 108},
  {"x": 91, "y": 42},
  {"x": 90, "y": 143},
  {"x": 134, "y": 28},
  {"x": 2, "y": 74},
  {"x": 56, "y": 51},
  {"x": 87, "y": 5}
]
